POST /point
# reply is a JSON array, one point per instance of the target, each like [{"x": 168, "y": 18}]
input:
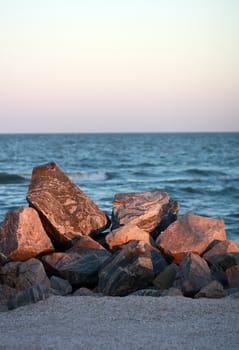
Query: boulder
[
  {"x": 6, "y": 293},
  {"x": 149, "y": 292},
  {"x": 144, "y": 209},
  {"x": 86, "y": 245},
  {"x": 22, "y": 235},
  {"x": 133, "y": 267},
  {"x": 224, "y": 254},
  {"x": 213, "y": 290},
  {"x": 172, "y": 292},
  {"x": 78, "y": 265},
  {"x": 191, "y": 233},
  {"x": 166, "y": 278},
  {"x": 85, "y": 292},
  {"x": 22, "y": 275},
  {"x": 65, "y": 210},
  {"x": 61, "y": 286},
  {"x": 233, "y": 276},
  {"x": 193, "y": 274},
  {"x": 27, "y": 296},
  {"x": 127, "y": 233}
]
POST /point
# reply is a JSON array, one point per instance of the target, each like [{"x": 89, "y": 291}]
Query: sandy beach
[{"x": 132, "y": 322}]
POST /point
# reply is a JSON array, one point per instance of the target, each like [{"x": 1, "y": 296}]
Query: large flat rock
[
  {"x": 65, "y": 210},
  {"x": 144, "y": 209},
  {"x": 191, "y": 233},
  {"x": 22, "y": 235}
]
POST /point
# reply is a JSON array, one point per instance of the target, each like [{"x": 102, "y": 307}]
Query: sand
[{"x": 132, "y": 322}]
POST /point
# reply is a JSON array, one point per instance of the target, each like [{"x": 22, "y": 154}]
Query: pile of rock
[{"x": 64, "y": 244}]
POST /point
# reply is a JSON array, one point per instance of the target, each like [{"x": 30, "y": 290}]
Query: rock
[
  {"x": 78, "y": 265},
  {"x": 65, "y": 210},
  {"x": 231, "y": 292},
  {"x": 133, "y": 267},
  {"x": 6, "y": 293},
  {"x": 149, "y": 292},
  {"x": 213, "y": 290},
  {"x": 144, "y": 209},
  {"x": 86, "y": 245},
  {"x": 191, "y": 233},
  {"x": 22, "y": 275},
  {"x": 166, "y": 278},
  {"x": 125, "y": 234},
  {"x": 233, "y": 276},
  {"x": 27, "y": 296},
  {"x": 193, "y": 274},
  {"x": 224, "y": 254},
  {"x": 85, "y": 292},
  {"x": 22, "y": 235},
  {"x": 63, "y": 287},
  {"x": 172, "y": 292}
]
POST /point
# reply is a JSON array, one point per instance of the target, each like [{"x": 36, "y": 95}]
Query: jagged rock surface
[
  {"x": 22, "y": 275},
  {"x": 193, "y": 274},
  {"x": 144, "y": 209},
  {"x": 64, "y": 209},
  {"x": 126, "y": 233},
  {"x": 134, "y": 267},
  {"x": 191, "y": 233},
  {"x": 22, "y": 235}
]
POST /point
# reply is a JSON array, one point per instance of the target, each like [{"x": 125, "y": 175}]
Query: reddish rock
[
  {"x": 125, "y": 234},
  {"x": 233, "y": 276},
  {"x": 86, "y": 245},
  {"x": 132, "y": 268},
  {"x": 65, "y": 210},
  {"x": 22, "y": 235},
  {"x": 191, "y": 233},
  {"x": 193, "y": 274},
  {"x": 144, "y": 209},
  {"x": 224, "y": 254},
  {"x": 22, "y": 275}
]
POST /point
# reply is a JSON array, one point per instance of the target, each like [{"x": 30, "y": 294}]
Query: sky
[{"x": 119, "y": 65}]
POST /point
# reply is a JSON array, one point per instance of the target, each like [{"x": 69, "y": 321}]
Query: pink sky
[{"x": 119, "y": 66}]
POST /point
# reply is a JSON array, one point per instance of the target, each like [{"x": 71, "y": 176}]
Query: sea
[{"x": 199, "y": 170}]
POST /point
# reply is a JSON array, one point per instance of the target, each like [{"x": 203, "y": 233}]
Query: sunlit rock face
[
  {"x": 22, "y": 235},
  {"x": 126, "y": 233},
  {"x": 65, "y": 210},
  {"x": 191, "y": 233},
  {"x": 144, "y": 209}
]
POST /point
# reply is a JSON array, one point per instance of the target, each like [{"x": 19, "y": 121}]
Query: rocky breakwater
[{"x": 64, "y": 244}]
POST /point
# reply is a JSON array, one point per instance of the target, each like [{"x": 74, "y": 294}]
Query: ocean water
[{"x": 200, "y": 170}]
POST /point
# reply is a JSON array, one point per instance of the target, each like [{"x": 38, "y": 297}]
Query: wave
[
  {"x": 6, "y": 178},
  {"x": 92, "y": 176}
]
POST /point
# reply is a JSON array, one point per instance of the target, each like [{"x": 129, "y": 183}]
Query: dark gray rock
[
  {"x": 78, "y": 269},
  {"x": 213, "y": 290},
  {"x": 166, "y": 278},
  {"x": 133, "y": 267},
  {"x": 27, "y": 296},
  {"x": 233, "y": 276},
  {"x": 224, "y": 254},
  {"x": 61, "y": 286},
  {"x": 85, "y": 292},
  {"x": 172, "y": 292},
  {"x": 22, "y": 275},
  {"x": 149, "y": 292},
  {"x": 193, "y": 274}
]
